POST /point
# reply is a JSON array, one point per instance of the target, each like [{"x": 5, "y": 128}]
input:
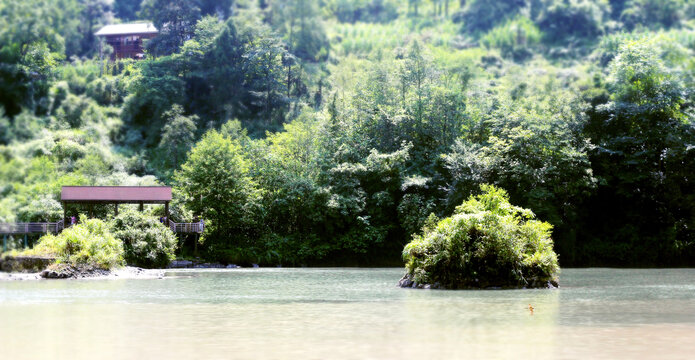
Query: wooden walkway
[
  {"x": 56, "y": 227},
  {"x": 31, "y": 228}
]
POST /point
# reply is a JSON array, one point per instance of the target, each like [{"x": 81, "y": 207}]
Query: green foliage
[
  {"x": 127, "y": 9},
  {"x": 147, "y": 242},
  {"x": 562, "y": 20},
  {"x": 175, "y": 20},
  {"x": 486, "y": 243},
  {"x": 515, "y": 39},
  {"x": 177, "y": 134},
  {"x": 89, "y": 243},
  {"x": 359, "y": 118},
  {"x": 653, "y": 13},
  {"x": 352, "y": 11},
  {"x": 642, "y": 155},
  {"x": 482, "y": 15},
  {"x": 215, "y": 181}
]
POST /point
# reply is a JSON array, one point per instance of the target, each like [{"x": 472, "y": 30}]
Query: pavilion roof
[
  {"x": 123, "y": 194},
  {"x": 127, "y": 29}
]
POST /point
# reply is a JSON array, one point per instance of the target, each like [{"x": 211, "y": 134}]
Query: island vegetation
[
  {"x": 95, "y": 247},
  {"x": 325, "y": 132},
  {"x": 487, "y": 243}
]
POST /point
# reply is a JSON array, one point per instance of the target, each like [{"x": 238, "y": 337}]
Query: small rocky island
[
  {"x": 96, "y": 248},
  {"x": 487, "y": 244}
]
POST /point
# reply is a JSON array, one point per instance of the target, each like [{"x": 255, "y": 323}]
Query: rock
[
  {"x": 63, "y": 271},
  {"x": 405, "y": 281},
  {"x": 181, "y": 264},
  {"x": 255, "y": 265}
]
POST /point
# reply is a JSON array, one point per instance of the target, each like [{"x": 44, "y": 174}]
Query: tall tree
[
  {"x": 216, "y": 183},
  {"x": 175, "y": 20},
  {"x": 94, "y": 13},
  {"x": 127, "y": 10},
  {"x": 224, "y": 65},
  {"x": 266, "y": 77},
  {"x": 642, "y": 155},
  {"x": 178, "y": 134}
]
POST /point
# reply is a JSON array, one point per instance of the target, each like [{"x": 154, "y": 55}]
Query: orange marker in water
[{"x": 530, "y": 308}]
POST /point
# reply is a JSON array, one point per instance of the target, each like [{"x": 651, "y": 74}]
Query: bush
[
  {"x": 148, "y": 243},
  {"x": 486, "y": 243},
  {"x": 483, "y": 15},
  {"x": 579, "y": 18},
  {"x": 514, "y": 39},
  {"x": 87, "y": 244}
]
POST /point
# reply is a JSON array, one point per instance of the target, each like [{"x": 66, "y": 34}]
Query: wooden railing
[
  {"x": 56, "y": 227},
  {"x": 30, "y": 228},
  {"x": 196, "y": 227}
]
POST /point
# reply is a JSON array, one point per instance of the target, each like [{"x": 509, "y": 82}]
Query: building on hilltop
[{"x": 127, "y": 39}]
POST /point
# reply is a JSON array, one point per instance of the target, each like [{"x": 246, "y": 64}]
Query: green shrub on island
[
  {"x": 88, "y": 244},
  {"x": 487, "y": 243},
  {"x": 148, "y": 243}
]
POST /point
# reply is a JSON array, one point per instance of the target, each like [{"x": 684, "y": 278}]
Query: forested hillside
[{"x": 330, "y": 131}]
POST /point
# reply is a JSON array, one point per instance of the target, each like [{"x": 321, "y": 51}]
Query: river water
[{"x": 348, "y": 314}]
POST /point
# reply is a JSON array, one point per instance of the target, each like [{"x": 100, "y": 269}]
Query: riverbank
[{"x": 127, "y": 272}]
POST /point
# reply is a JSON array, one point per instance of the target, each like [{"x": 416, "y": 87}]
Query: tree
[
  {"x": 31, "y": 43},
  {"x": 265, "y": 75},
  {"x": 127, "y": 10},
  {"x": 303, "y": 26},
  {"x": 216, "y": 182},
  {"x": 175, "y": 20},
  {"x": 583, "y": 19},
  {"x": 93, "y": 15},
  {"x": 653, "y": 14},
  {"x": 483, "y": 15},
  {"x": 641, "y": 157},
  {"x": 224, "y": 68},
  {"x": 177, "y": 134}
]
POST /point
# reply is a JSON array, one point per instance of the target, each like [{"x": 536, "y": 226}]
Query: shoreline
[{"x": 126, "y": 272}]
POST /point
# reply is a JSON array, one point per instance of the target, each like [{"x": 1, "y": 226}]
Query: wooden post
[
  {"x": 116, "y": 210},
  {"x": 166, "y": 213},
  {"x": 142, "y": 207},
  {"x": 64, "y": 213}
]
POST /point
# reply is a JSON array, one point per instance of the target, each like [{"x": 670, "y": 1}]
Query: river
[{"x": 288, "y": 313}]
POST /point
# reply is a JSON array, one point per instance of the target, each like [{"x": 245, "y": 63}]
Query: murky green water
[{"x": 348, "y": 314}]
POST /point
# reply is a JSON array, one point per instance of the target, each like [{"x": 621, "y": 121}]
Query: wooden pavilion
[
  {"x": 127, "y": 39},
  {"x": 116, "y": 195}
]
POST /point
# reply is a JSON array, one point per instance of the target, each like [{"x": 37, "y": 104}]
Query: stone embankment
[{"x": 25, "y": 264}]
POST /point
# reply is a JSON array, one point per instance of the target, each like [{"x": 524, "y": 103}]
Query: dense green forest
[{"x": 330, "y": 131}]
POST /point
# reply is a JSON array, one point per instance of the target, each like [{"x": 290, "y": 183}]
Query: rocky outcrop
[
  {"x": 407, "y": 281},
  {"x": 64, "y": 271}
]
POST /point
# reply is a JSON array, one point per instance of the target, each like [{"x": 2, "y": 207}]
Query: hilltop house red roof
[{"x": 121, "y": 194}]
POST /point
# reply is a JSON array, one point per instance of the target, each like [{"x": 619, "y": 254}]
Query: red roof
[{"x": 116, "y": 193}]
